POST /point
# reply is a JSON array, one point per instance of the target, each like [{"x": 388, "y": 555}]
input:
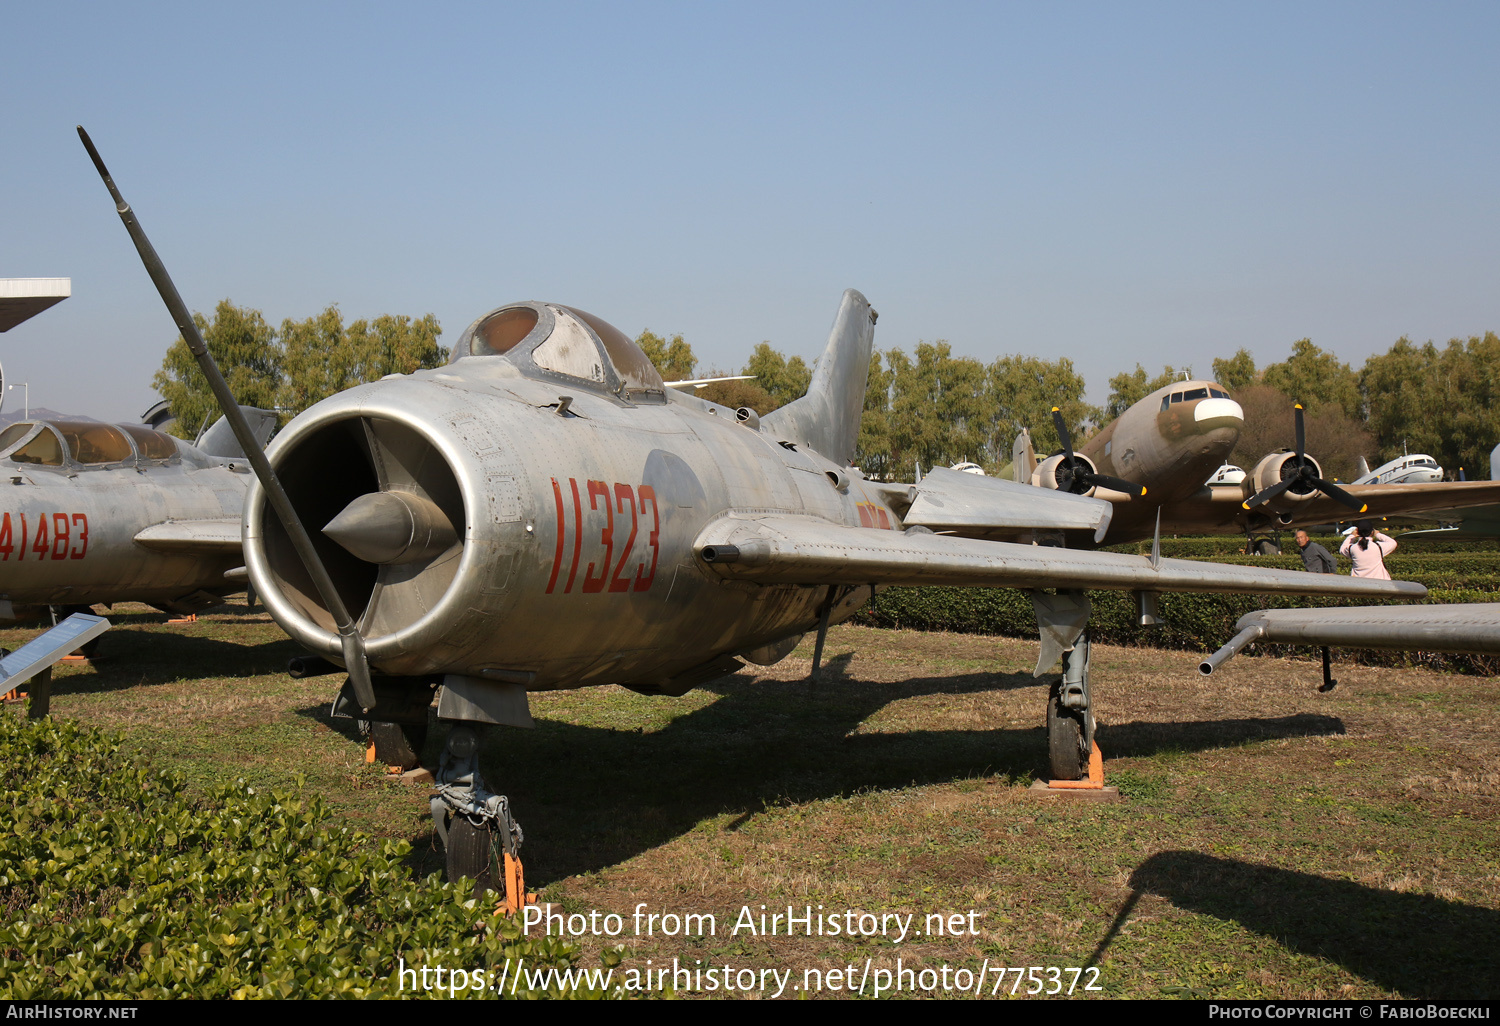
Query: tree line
[
  {"x": 931, "y": 407},
  {"x": 928, "y": 407},
  {"x": 290, "y": 368}
]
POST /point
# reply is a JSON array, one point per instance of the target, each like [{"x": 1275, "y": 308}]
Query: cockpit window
[
  {"x": 46, "y": 449},
  {"x": 152, "y": 445},
  {"x": 13, "y": 434},
  {"x": 631, "y": 362},
  {"x": 1218, "y": 393},
  {"x": 1194, "y": 393},
  {"x": 1177, "y": 397},
  {"x": 570, "y": 350},
  {"x": 500, "y": 331},
  {"x": 93, "y": 443}
]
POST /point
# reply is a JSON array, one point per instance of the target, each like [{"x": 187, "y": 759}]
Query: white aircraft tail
[
  {"x": 1362, "y": 469},
  {"x": 827, "y": 418},
  {"x": 1023, "y": 457}
]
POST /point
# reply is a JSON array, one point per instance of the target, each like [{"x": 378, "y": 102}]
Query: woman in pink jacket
[{"x": 1368, "y": 548}]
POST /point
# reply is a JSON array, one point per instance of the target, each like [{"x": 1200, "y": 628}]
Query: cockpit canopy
[
  {"x": 89, "y": 443},
  {"x": 560, "y": 342}
]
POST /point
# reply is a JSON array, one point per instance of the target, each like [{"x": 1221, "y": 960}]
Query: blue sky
[{"x": 1111, "y": 183}]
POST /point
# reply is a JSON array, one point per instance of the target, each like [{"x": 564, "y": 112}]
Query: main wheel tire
[
  {"x": 398, "y": 744},
  {"x": 469, "y": 856},
  {"x": 1267, "y": 547},
  {"x": 1068, "y": 758}
]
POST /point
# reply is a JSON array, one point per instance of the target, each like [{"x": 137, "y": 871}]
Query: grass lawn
[{"x": 1270, "y": 842}]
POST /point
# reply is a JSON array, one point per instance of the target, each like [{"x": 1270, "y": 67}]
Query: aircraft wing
[
  {"x": 1471, "y": 627},
  {"x": 207, "y": 537},
  {"x": 973, "y": 506},
  {"x": 1390, "y": 500},
  {"x": 1216, "y": 506},
  {"x": 790, "y": 549},
  {"x": 1461, "y": 627}
]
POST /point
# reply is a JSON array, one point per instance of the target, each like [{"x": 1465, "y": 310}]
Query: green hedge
[{"x": 117, "y": 884}]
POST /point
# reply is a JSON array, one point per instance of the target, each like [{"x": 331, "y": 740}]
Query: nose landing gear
[{"x": 482, "y": 838}]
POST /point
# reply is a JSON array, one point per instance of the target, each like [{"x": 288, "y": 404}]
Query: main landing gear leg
[
  {"x": 482, "y": 838},
  {"x": 1062, "y": 620},
  {"x": 1070, "y": 718}
]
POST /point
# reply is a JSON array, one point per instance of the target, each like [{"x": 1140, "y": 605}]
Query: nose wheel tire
[
  {"x": 471, "y": 854},
  {"x": 1069, "y": 757}
]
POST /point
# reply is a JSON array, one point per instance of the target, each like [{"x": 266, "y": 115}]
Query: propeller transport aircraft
[
  {"x": 104, "y": 513},
  {"x": 1153, "y": 461},
  {"x": 542, "y": 513}
]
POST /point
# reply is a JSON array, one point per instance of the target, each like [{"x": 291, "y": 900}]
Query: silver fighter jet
[
  {"x": 93, "y": 512},
  {"x": 542, "y": 513}
]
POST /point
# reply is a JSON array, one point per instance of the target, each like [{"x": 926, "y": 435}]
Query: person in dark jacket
[{"x": 1314, "y": 556}]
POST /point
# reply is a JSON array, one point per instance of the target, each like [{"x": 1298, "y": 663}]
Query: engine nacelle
[
  {"x": 1277, "y": 467},
  {"x": 1050, "y": 469}
]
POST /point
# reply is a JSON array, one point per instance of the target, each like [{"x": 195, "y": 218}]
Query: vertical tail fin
[
  {"x": 1023, "y": 457},
  {"x": 826, "y": 419}
]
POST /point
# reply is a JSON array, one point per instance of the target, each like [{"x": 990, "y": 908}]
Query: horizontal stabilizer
[
  {"x": 951, "y": 500},
  {"x": 202, "y": 536},
  {"x": 788, "y": 549},
  {"x": 690, "y": 384}
]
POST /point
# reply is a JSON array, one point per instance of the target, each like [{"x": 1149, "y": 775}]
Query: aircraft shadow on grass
[
  {"x": 129, "y": 659},
  {"x": 592, "y": 797},
  {"x": 1415, "y": 944}
]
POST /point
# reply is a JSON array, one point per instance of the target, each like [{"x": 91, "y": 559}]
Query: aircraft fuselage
[
  {"x": 575, "y": 513},
  {"x": 78, "y": 534},
  {"x": 1171, "y": 442}
]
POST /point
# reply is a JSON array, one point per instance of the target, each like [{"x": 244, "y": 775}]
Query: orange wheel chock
[
  {"x": 370, "y": 754},
  {"x": 1095, "y": 779},
  {"x": 516, "y": 897}
]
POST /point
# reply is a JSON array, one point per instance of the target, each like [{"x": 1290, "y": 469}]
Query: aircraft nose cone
[
  {"x": 392, "y": 527},
  {"x": 1217, "y": 413}
]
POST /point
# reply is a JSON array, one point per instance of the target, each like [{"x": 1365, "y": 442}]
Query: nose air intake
[{"x": 393, "y": 515}]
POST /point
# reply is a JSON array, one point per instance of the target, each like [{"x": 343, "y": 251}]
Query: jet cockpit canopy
[
  {"x": 568, "y": 345},
  {"x": 87, "y": 443}
]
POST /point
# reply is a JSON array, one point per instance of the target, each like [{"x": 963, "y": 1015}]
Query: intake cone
[{"x": 394, "y": 527}]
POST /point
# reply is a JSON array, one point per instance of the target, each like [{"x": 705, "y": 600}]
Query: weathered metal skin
[
  {"x": 159, "y": 531},
  {"x": 576, "y": 512}
]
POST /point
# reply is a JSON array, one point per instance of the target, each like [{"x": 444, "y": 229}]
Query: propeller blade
[
  {"x": 349, "y": 638},
  {"x": 1062, "y": 435},
  {"x": 1118, "y": 484},
  {"x": 1261, "y": 498},
  {"x": 1301, "y": 436},
  {"x": 1333, "y": 491}
]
